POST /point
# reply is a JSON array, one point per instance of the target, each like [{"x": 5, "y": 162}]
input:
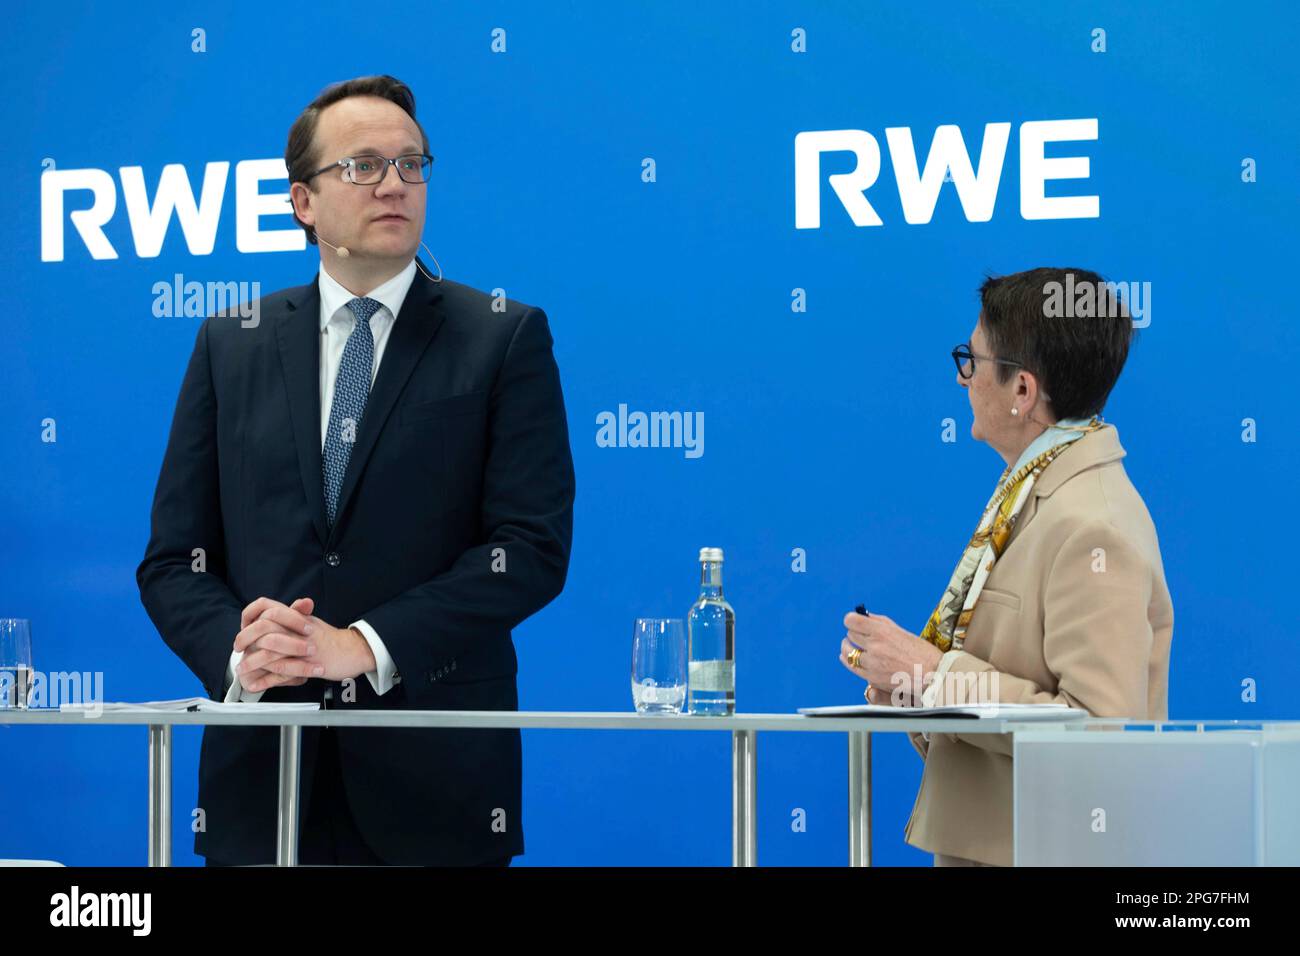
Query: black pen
[{"x": 862, "y": 609}]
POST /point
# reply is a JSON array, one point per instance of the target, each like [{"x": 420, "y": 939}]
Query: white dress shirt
[
  {"x": 1050, "y": 436},
  {"x": 336, "y": 324}
]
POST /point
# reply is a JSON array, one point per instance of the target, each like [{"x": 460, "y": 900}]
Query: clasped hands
[
  {"x": 892, "y": 660},
  {"x": 286, "y": 644}
]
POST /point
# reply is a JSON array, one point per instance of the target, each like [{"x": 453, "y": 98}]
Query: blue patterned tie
[{"x": 351, "y": 389}]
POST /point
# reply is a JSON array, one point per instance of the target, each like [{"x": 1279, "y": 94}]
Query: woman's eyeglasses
[{"x": 965, "y": 360}]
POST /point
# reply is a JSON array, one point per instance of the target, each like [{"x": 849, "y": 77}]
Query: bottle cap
[{"x": 710, "y": 554}]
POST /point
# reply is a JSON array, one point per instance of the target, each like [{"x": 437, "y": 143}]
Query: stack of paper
[
  {"x": 959, "y": 711},
  {"x": 201, "y": 704}
]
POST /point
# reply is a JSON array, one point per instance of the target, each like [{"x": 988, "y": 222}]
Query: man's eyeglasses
[
  {"x": 414, "y": 168},
  {"x": 965, "y": 360}
]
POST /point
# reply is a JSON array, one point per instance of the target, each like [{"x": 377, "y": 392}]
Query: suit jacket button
[{"x": 332, "y": 559}]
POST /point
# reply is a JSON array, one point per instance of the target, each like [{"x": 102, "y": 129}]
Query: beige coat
[{"x": 1076, "y": 611}]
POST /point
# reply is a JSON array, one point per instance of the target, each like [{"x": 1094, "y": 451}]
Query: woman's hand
[{"x": 894, "y": 661}]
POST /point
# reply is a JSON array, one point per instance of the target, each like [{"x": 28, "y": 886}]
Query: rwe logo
[
  {"x": 150, "y": 220},
  {"x": 948, "y": 159}
]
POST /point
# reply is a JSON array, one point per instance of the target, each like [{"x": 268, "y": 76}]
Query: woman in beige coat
[{"x": 1060, "y": 595}]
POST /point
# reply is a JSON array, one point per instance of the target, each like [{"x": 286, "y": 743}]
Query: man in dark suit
[{"x": 363, "y": 492}]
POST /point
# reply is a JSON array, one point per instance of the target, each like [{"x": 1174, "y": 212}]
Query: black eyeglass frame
[
  {"x": 963, "y": 353},
  {"x": 349, "y": 162}
]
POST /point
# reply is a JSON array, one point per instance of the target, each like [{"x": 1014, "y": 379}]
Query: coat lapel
[
  {"x": 1096, "y": 448},
  {"x": 298, "y": 334}
]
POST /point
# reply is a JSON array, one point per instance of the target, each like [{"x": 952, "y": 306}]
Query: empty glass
[
  {"x": 659, "y": 665},
  {"x": 15, "y": 663}
]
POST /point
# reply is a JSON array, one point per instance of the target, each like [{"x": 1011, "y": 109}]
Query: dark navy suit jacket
[{"x": 454, "y": 524}]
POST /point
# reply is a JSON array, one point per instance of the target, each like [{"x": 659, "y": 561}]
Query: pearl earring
[{"x": 1015, "y": 411}]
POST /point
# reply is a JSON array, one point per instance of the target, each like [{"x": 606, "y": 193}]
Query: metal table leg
[
  {"x": 286, "y": 825},
  {"x": 859, "y": 798},
  {"x": 744, "y": 798},
  {"x": 160, "y": 795}
]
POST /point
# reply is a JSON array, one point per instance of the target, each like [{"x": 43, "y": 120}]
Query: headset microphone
[{"x": 343, "y": 252}]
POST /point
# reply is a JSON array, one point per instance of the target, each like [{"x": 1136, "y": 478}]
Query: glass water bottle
[{"x": 711, "y": 637}]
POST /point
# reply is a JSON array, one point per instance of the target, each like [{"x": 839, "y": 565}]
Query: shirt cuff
[
  {"x": 384, "y": 676},
  {"x": 932, "y": 692},
  {"x": 236, "y": 693}
]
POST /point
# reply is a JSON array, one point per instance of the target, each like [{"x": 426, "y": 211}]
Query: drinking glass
[
  {"x": 15, "y": 663},
  {"x": 659, "y": 665}
]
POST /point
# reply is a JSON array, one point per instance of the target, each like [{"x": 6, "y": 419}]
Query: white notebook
[
  {"x": 958, "y": 711},
  {"x": 190, "y": 703}
]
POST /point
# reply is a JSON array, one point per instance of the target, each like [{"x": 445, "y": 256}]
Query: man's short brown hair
[{"x": 301, "y": 156}]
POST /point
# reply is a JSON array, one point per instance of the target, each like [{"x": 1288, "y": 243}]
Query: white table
[{"x": 744, "y": 730}]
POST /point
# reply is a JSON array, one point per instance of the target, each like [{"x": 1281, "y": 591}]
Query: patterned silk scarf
[{"x": 946, "y": 628}]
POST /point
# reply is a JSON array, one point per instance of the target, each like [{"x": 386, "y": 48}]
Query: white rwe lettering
[
  {"x": 919, "y": 191},
  {"x": 150, "y": 221}
]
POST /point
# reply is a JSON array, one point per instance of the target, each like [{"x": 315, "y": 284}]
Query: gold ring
[{"x": 854, "y": 655}]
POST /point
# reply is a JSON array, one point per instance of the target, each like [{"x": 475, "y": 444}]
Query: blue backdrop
[{"x": 824, "y": 428}]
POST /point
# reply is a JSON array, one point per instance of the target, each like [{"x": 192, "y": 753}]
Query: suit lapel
[
  {"x": 298, "y": 335},
  {"x": 1095, "y": 448}
]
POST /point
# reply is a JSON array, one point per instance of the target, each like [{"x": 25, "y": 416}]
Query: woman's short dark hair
[
  {"x": 1068, "y": 326},
  {"x": 302, "y": 158}
]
